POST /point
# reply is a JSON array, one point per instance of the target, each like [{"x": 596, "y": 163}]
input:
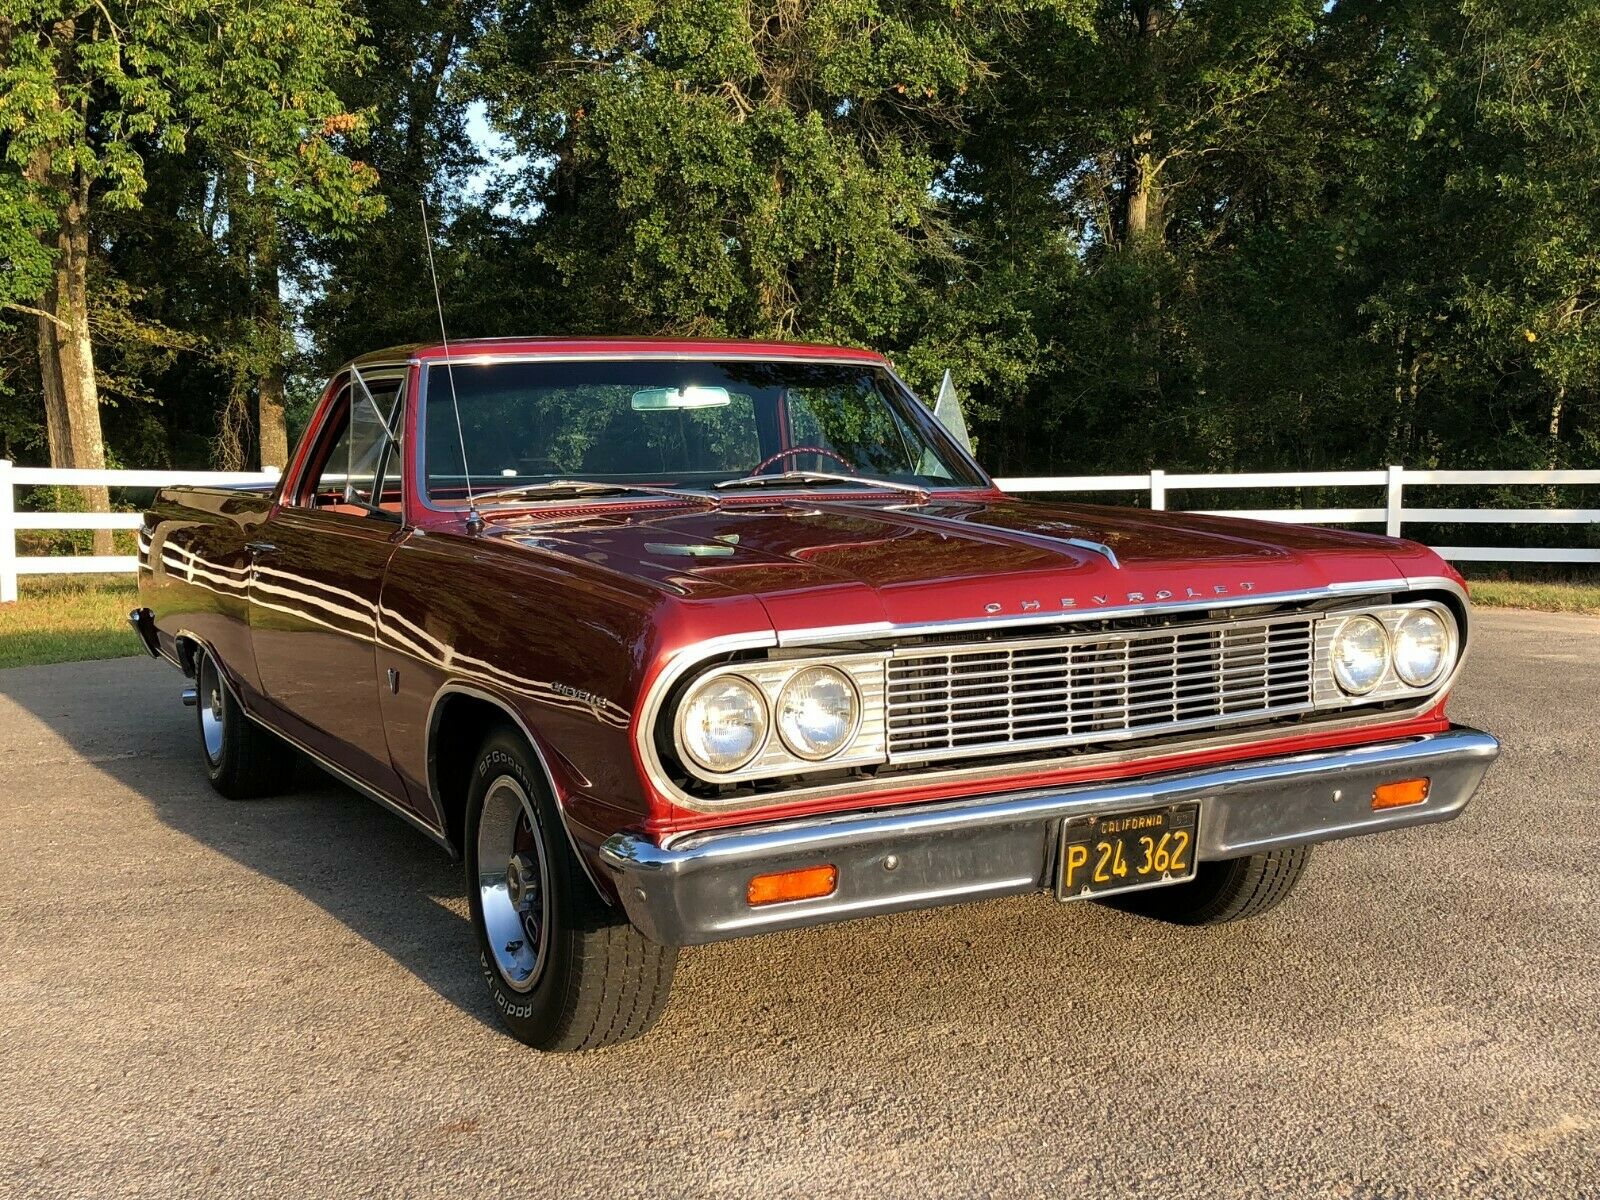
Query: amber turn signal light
[
  {"x": 805, "y": 884},
  {"x": 1400, "y": 793}
]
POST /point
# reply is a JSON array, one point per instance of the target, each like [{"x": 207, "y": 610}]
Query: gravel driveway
[{"x": 205, "y": 998}]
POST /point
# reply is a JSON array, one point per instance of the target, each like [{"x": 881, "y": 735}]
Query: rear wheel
[
  {"x": 242, "y": 760},
  {"x": 566, "y": 971},
  {"x": 1230, "y": 890}
]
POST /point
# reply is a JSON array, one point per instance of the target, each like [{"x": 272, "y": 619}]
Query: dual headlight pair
[
  {"x": 725, "y": 723},
  {"x": 1418, "y": 647}
]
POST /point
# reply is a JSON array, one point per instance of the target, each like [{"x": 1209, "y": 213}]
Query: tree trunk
[
  {"x": 1556, "y": 406},
  {"x": 1144, "y": 222},
  {"x": 66, "y": 353},
  {"x": 273, "y": 433}
]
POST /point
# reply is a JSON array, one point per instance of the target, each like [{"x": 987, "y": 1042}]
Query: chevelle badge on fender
[{"x": 676, "y": 641}]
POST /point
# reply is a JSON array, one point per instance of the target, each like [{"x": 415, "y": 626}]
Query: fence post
[
  {"x": 1158, "y": 490},
  {"x": 1392, "y": 505},
  {"x": 8, "y": 535}
]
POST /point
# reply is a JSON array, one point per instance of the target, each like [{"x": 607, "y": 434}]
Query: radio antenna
[{"x": 474, "y": 518}]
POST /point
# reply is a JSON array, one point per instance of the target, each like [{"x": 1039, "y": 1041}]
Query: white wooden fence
[
  {"x": 11, "y": 478},
  {"x": 1156, "y": 486}
]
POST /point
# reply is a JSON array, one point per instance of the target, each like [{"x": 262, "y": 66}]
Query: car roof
[{"x": 618, "y": 347}]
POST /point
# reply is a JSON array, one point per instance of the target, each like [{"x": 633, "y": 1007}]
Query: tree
[
  {"x": 729, "y": 168},
  {"x": 92, "y": 89}
]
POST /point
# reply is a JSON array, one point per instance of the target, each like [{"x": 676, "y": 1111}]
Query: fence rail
[
  {"x": 1393, "y": 515},
  {"x": 12, "y": 477}
]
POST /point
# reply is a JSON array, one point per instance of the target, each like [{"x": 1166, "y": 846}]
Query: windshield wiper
[
  {"x": 587, "y": 487},
  {"x": 790, "y": 478}
]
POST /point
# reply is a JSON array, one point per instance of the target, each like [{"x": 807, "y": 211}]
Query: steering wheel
[{"x": 794, "y": 450}]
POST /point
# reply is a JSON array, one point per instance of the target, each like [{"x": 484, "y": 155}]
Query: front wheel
[
  {"x": 1230, "y": 890},
  {"x": 566, "y": 972}
]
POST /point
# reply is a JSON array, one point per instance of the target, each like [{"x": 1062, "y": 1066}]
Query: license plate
[{"x": 1121, "y": 852}]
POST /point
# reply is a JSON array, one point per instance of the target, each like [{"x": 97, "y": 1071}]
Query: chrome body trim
[
  {"x": 367, "y": 790},
  {"x": 692, "y": 889},
  {"x": 688, "y": 659}
]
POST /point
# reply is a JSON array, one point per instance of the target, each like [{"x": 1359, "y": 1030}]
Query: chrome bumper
[{"x": 692, "y": 891}]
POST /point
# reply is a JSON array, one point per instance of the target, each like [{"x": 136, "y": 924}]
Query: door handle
[{"x": 260, "y": 547}]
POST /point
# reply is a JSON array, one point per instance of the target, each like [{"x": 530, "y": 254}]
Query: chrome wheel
[
  {"x": 210, "y": 686},
  {"x": 513, "y": 876}
]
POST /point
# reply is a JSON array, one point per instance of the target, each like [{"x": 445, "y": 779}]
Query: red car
[{"x": 677, "y": 641}]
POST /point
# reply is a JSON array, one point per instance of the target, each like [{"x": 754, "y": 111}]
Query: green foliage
[
  {"x": 725, "y": 168},
  {"x": 1215, "y": 234}
]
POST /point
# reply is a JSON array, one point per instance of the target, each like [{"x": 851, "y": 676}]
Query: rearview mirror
[{"x": 667, "y": 399}]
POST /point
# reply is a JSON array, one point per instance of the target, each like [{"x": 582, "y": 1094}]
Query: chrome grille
[{"x": 1036, "y": 693}]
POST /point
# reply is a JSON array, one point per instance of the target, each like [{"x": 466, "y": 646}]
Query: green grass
[
  {"x": 1545, "y": 597},
  {"x": 68, "y": 618}
]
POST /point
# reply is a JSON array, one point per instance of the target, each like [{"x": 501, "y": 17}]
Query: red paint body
[{"x": 564, "y": 615}]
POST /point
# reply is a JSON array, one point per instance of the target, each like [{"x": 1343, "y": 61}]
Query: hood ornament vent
[{"x": 1094, "y": 547}]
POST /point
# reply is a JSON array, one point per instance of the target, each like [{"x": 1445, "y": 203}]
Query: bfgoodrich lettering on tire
[{"x": 565, "y": 970}]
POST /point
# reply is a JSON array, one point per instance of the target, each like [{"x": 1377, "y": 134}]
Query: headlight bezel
[
  {"x": 1391, "y": 686},
  {"x": 866, "y": 746}
]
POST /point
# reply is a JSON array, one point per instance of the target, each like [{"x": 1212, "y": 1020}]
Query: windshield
[{"x": 676, "y": 424}]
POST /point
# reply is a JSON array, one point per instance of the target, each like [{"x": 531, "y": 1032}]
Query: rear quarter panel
[{"x": 194, "y": 571}]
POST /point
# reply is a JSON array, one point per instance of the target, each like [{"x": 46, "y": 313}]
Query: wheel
[
  {"x": 243, "y": 760},
  {"x": 566, "y": 971},
  {"x": 1230, "y": 890}
]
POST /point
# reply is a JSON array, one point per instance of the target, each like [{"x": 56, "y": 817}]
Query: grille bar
[{"x": 1039, "y": 693}]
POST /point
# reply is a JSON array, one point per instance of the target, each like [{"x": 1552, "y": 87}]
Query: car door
[{"x": 317, "y": 568}]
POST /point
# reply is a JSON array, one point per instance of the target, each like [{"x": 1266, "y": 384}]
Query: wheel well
[{"x": 459, "y": 727}]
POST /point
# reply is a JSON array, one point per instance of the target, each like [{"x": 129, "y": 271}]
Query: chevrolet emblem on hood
[{"x": 1101, "y": 600}]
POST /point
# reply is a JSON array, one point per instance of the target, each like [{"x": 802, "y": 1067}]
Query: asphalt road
[{"x": 204, "y": 998}]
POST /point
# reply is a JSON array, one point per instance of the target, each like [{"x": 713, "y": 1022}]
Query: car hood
[{"x": 836, "y": 563}]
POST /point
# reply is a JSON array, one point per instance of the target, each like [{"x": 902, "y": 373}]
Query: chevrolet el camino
[{"x": 676, "y": 641}]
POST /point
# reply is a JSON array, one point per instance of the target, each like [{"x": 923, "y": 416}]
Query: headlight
[
  {"x": 723, "y": 723},
  {"x": 1360, "y": 655},
  {"x": 1421, "y": 645},
  {"x": 818, "y": 713}
]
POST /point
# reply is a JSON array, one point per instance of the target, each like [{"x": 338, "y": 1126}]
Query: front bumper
[{"x": 692, "y": 891}]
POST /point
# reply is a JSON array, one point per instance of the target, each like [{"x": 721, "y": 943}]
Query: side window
[{"x": 361, "y": 472}]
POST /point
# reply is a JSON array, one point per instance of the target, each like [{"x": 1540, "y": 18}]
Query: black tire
[
  {"x": 1231, "y": 890},
  {"x": 587, "y": 978},
  {"x": 243, "y": 760}
]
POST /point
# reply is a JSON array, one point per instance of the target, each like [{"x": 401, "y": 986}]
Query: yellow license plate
[{"x": 1120, "y": 852}]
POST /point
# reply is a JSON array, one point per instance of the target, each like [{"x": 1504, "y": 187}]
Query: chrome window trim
[{"x": 691, "y": 657}]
